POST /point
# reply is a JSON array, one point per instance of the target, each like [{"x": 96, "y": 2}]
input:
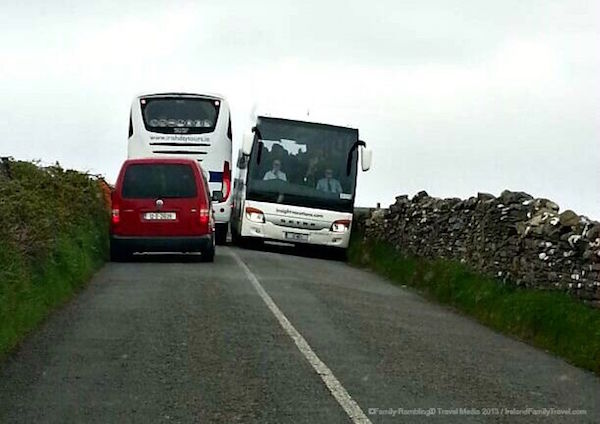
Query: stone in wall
[{"x": 514, "y": 237}]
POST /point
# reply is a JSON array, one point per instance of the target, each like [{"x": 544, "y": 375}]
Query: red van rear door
[{"x": 161, "y": 199}]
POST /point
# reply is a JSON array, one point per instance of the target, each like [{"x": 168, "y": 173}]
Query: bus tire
[
  {"x": 340, "y": 254},
  {"x": 253, "y": 243},
  {"x": 221, "y": 233},
  {"x": 236, "y": 238}
]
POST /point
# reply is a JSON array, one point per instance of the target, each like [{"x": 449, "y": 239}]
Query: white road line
[{"x": 335, "y": 387}]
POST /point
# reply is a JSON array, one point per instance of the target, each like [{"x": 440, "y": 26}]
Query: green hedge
[
  {"x": 549, "y": 320},
  {"x": 53, "y": 236}
]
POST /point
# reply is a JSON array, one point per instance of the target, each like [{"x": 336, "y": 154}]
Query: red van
[{"x": 161, "y": 205}]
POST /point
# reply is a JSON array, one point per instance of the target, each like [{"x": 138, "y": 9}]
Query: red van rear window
[{"x": 151, "y": 181}]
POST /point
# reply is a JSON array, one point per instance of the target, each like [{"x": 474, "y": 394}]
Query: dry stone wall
[{"x": 514, "y": 237}]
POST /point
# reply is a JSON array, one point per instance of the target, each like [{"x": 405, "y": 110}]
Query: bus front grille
[{"x": 298, "y": 223}]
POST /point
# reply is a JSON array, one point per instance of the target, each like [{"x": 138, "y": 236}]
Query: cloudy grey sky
[{"x": 453, "y": 96}]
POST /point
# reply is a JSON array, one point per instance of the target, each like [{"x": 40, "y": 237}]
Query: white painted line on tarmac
[{"x": 335, "y": 387}]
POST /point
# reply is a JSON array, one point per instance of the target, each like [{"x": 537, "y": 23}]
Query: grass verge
[
  {"x": 53, "y": 238},
  {"x": 549, "y": 320}
]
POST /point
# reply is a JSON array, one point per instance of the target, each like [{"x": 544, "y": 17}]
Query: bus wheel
[
  {"x": 221, "y": 233},
  {"x": 235, "y": 237},
  {"x": 339, "y": 254}
]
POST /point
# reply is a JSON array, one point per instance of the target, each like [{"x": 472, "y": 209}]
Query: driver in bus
[
  {"x": 329, "y": 184},
  {"x": 275, "y": 173}
]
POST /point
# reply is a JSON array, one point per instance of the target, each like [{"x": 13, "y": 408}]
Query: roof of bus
[
  {"x": 310, "y": 119},
  {"x": 295, "y": 112},
  {"x": 214, "y": 96}
]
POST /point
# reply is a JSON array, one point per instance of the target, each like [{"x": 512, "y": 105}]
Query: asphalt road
[{"x": 167, "y": 339}]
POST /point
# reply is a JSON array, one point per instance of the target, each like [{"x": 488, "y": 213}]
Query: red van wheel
[{"x": 118, "y": 254}]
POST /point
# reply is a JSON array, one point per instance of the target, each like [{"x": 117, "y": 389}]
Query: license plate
[
  {"x": 296, "y": 236},
  {"x": 160, "y": 216}
]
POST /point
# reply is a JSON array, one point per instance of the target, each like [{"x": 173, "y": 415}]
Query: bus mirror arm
[
  {"x": 256, "y": 131},
  {"x": 248, "y": 141},
  {"x": 350, "y": 152}
]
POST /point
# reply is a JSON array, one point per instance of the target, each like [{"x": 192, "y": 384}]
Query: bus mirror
[
  {"x": 247, "y": 141},
  {"x": 355, "y": 146},
  {"x": 366, "y": 159},
  {"x": 242, "y": 161}
]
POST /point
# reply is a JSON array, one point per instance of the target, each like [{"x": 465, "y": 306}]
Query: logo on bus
[{"x": 301, "y": 213}]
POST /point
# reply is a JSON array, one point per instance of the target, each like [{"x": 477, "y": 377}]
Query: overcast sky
[{"x": 454, "y": 97}]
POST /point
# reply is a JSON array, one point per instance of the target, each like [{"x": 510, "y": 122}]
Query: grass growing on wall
[
  {"x": 549, "y": 320},
  {"x": 53, "y": 237}
]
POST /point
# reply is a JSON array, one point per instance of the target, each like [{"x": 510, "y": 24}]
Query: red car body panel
[{"x": 193, "y": 214}]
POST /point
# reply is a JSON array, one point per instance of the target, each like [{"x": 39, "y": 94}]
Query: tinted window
[
  {"x": 180, "y": 115},
  {"x": 151, "y": 181}
]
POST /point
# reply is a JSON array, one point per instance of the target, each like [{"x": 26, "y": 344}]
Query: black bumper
[{"x": 161, "y": 244}]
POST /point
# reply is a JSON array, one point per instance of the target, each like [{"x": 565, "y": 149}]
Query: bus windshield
[
  {"x": 303, "y": 164},
  {"x": 180, "y": 115}
]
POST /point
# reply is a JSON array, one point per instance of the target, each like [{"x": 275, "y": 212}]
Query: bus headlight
[
  {"x": 340, "y": 226},
  {"x": 255, "y": 215}
]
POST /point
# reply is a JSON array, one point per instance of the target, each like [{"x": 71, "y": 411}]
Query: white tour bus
[
  {"x": 296, "y": 182},
  {"x": 195, "y": 126}
]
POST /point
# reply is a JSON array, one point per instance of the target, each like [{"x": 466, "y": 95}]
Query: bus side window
[{"x": 229, "y": 133}]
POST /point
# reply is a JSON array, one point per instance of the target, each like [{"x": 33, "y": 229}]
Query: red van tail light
[
  {"x": 115, "y": 215},
  {"x": 204, "y": 216},
  {"x": 226, "y": 181}
]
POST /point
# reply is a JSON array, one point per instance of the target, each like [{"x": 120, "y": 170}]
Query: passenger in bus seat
[
  {"x": 329, "y": 184},
  {"x": 314, "y": 163},
  {"x": 275, "y": 173}
]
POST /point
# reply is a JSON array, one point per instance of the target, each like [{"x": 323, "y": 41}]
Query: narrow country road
[{"x": 241, "y": 340}]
